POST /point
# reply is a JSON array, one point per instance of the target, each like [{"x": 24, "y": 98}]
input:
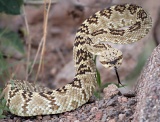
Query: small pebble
[
  {"x": 70, "y": 118},
  {"x": 128, "y": 112},
  {"x": 36, "y": 121},
  {"x": 122, "y": 99},
  {"x": 131, "y": 102},
  {"x": 98, "y": 115},
  {"x": 111, "y": 102},
  {"x": 39, "y": 117},
  {"x": 46, "y": 118},
  {"x": 18, "y": 120},
  {"x": 112, "y": 120},
  {"x": 76, "y": 121},
  {"x": 129, "y": 94},
  {"x": 121, "y": 117},
  {"x": 10, "y": 120},
  {"x": 94, "y": 109},
  {"x": 28, "y": 121},
  {"x": 54, "y": 120},
  {"x": 104, "y": 117},
  {"x": 90, "y": 118}
]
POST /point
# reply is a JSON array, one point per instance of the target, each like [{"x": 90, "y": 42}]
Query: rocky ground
[{"x": 114, "y": 107}]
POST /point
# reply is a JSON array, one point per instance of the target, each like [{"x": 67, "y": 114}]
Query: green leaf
[
  {"x": 99, "y": 82},
  {"x": 4, "y": 102},
  {"x": 11, "y": 6},
  {"x": 6, "y": 108},
  {"x": 1, "y": 111},
  {"x": 97, "y": 94},
  {"x": 1, "y": 106},
  {"x": 10, "y": 38},
  {"x": 3, "y": 64},
  {"x": 2, "y": 116}
]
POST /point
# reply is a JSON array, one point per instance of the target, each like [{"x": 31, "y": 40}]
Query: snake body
[{"x": 120, "y": 24}]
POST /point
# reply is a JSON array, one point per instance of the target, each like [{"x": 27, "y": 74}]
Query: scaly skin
[{"x": 120, "y": 24}]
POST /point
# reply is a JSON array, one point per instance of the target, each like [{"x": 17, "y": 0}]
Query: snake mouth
[{"x": 116, "y": 62}]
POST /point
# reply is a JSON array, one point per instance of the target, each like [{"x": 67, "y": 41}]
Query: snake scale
[{"x": 121, "y": 24}]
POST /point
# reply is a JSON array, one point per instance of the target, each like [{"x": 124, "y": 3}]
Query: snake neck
[
  {"x": 83, "y": 59},
  {"x": 85, "y": 69},
  {"x": 84, "y": 64}
]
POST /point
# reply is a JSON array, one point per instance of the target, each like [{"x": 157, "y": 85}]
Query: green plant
[
  {"x": 99, "y": 83},
  {"x": 8, "y": 38},
  {"x": 3, "y": 107},
  {"x": 10, "y": 6}
]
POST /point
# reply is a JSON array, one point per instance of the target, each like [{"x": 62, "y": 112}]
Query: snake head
[{"x": 111, "y": 58}]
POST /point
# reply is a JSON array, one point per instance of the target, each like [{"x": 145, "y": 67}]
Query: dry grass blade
[
  {"x": 46, "y": 12},
  {"x": 35, "y": 59},
  {"x": 29, "y": 43}
]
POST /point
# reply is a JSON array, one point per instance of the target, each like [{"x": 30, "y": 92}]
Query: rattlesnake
[{"x": 118, "y": 24}]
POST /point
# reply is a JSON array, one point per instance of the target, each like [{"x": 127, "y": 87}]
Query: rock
[
  {"x": 147, "y": 89},
  {"x": 110, "y": 91}
]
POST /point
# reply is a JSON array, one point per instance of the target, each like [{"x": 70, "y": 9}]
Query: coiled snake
[{"x": 120, "y": 24}]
